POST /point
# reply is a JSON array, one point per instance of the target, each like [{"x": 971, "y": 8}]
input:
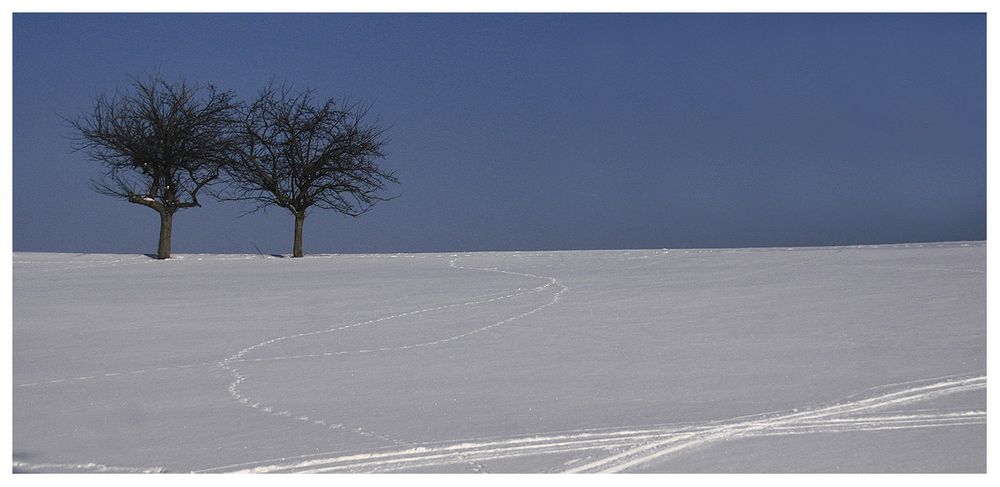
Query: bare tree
[
  {"x": 160, "y": 144},
  {"x": 297, "y": 153}
]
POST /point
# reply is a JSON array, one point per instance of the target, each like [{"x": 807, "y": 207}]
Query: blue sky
[{"x": 562, "y": 131}]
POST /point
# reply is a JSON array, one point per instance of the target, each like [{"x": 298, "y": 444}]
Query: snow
[{"x": 839, "y": 359}]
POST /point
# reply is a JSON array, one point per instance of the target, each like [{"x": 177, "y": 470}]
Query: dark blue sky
[{"x": 566, "y": 131}]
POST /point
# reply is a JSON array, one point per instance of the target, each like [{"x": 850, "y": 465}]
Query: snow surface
[{"x": 841, "y": 359}]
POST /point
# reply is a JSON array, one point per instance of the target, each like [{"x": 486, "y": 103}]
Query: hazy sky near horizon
[{"x": 547, "y": 131}]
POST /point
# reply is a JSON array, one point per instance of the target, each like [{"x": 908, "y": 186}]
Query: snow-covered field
[{"x": 848, "y": 359}]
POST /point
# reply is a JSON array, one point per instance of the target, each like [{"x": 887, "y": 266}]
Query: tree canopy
[
  {"x": 298, "y": 152},
  {"x": 160, "y": 144}
]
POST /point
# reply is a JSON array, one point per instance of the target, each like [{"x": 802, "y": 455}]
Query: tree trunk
[
  {"x": 300, "y": 218},
  {"x": 166, "y": 222}
]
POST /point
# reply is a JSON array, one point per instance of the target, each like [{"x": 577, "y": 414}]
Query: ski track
[
  {"x": 80, "y": 468},
  {"x": 642, "y": 445},
  {"x": 109, "y": 375},
  {"x": 646, "y": 453}
]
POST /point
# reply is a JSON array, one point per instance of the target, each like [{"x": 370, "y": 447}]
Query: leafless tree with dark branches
[
  {"x": 160, "y": 144},
  {"x": 297, "y": 152}
]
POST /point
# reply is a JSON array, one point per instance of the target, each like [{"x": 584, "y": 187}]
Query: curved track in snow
[{"x": 230, "y": 364}]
